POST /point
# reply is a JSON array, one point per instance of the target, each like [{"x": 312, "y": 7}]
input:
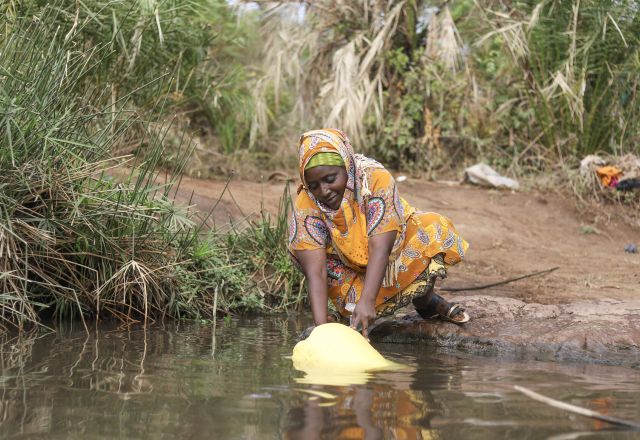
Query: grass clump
[
  {"x": 76, "y": 242},
  {"x": 196, "y": 43},
  {"x": 187, "y": 54},
  {"x": 249, "y": 267}
]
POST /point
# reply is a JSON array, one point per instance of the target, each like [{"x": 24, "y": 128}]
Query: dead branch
[{"x": 499, "y": 283}]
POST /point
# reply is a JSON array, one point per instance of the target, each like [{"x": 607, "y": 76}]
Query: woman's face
[{"x": 327, "y": 184}]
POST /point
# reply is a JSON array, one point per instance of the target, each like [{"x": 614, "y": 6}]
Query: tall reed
[
  {"x": 578, "y": 63},
  {"x": 75, "y": 241}
]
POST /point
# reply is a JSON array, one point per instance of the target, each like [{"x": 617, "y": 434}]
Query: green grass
[
  {"x": 76, "y": 242},
  {"x": 249, "y": 266}
]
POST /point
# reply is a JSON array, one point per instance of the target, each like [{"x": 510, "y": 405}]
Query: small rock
[{"x": 631, "y": 248}]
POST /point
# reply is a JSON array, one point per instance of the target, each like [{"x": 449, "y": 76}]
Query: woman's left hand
[
  {"x": 380, "y": 247},
  {"x": 364, "y": 313}
]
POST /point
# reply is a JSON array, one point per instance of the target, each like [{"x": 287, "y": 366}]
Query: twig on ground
[
  {"x": 576, "y": 409},
  {"x": 499, "y": 283}
]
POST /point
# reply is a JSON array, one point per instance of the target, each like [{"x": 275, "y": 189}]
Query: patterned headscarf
[{"x": 332, "y": 140}]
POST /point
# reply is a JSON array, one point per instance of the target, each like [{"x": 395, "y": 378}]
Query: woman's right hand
[{"x": 314, "y": 266}]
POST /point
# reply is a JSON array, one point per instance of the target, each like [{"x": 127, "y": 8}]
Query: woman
[{"x": 359, "y": 243}]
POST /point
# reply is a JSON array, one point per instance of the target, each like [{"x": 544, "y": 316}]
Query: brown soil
[{"x": 510, "y": 234}]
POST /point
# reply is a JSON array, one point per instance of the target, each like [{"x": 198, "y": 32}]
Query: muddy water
[{"x": 183, "y": 381}]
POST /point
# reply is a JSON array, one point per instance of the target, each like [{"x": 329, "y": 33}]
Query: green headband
[{"x": 325, "y": 158}]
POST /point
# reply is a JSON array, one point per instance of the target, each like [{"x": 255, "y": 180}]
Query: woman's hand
[
  {"x": 364, "y": 313},
  {"x": 379, "y": 249}
]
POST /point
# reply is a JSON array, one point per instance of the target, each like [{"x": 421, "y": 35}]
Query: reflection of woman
[
  {"x": 336, "y": 419},
  {"x": 365, "y": 412},
  {"x": 359, "y": 243}
]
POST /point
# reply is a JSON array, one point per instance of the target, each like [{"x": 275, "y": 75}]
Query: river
[{"x": 182, "y": 380}]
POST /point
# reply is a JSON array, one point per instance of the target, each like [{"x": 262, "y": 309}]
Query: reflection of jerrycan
[{"x": 338, "y": 355}]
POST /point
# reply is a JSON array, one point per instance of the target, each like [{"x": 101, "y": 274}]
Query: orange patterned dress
[{"x": 371, "y": 205}]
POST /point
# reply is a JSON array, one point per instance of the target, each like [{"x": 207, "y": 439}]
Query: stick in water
[{"x": 576, "y": 409}]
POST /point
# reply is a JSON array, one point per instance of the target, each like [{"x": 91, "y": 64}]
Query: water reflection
[
  {"x": 365, "y": 412},
  {"x": 185, "y": 381}
]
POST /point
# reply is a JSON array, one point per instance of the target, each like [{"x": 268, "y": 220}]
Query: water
[{"x": 178, "y": 381}]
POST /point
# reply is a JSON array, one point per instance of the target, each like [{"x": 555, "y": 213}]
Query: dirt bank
[{"x": 510, "y": 233}]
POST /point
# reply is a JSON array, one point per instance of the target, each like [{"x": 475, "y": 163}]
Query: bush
[{"x": 75, "y": 241}]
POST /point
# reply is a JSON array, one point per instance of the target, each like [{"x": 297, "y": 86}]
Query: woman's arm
[
  {"x": 314, "y": 266},
  {"x": 380, "y": 247}
]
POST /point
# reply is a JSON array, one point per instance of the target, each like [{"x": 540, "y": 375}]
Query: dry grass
[
  {"x": 444, "y": 43},
  {"x": 337, "y": 74}
]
